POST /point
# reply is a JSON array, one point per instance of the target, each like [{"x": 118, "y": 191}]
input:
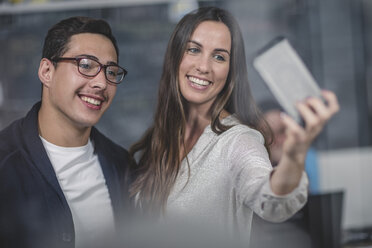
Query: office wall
[{"x": 331, "y": 36}]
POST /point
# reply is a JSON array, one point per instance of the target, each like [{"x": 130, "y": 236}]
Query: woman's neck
[
  {"x": 196, "y": 122},
  {"x": 195, "y": 126}
]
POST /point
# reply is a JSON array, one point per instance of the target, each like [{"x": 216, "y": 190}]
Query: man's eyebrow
[
  {"x": 111, "y": 63},
  {"x": 88, "y": 56},
  {"x": 96, "y": 59},
  {"x": 217, "y": 49}
]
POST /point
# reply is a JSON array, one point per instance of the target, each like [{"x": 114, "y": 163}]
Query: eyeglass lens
[{"x": 91, "y": 67}]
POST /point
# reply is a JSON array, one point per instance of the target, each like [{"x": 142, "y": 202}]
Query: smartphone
[{"x": 286, "y": 75}]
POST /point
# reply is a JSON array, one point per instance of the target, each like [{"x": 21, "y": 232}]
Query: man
[{"x": 62, "y": 183}]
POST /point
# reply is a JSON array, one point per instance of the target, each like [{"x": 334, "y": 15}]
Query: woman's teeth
[{"x": 199, "y": 81}]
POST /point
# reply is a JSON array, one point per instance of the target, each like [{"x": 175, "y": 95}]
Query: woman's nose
[{"x": 204, "y": 64}]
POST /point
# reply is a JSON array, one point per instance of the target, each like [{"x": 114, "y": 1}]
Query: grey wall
[{"x": 333, "y": 37}]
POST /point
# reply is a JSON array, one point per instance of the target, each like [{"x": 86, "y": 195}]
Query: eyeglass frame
[{"x": 78, "y": 59}]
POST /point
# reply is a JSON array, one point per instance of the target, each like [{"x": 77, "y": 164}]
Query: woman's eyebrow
[
  {"x": 196, "y": 43},
  {"x": 222, "y": 50},
  {"x": 217, "y": 49}
]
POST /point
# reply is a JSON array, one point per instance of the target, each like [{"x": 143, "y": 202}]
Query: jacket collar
[{"x": 36, "y": 151}]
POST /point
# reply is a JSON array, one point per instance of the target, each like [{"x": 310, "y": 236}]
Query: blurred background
[{"x": 333, "y": 37}]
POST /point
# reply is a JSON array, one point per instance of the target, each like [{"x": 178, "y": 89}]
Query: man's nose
[{"x": 99, "y": 81}]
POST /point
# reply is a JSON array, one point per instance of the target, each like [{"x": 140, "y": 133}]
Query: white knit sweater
[{"x": 229, "y": 180}]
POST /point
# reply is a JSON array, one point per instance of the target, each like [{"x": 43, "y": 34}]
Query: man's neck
[{"x": 61, "y": 133}]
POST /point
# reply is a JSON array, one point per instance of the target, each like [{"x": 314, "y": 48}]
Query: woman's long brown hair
[{"x": 159, "y": 149}]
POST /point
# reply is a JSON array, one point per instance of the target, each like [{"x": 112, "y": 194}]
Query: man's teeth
[
  {"x": 91, "y": 100},
  {"x": 199, "y": 81}
]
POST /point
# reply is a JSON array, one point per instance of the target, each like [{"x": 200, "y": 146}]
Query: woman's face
[{"x": 205, "y": 65}]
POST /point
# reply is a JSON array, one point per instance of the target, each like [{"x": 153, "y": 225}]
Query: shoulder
[
  {"x": 13, "y": 146},
  {"x": 243, "y": 143},
  {"x": 9, "y": 138},
  {"x": 13, "y": 135},
  {"x": 11, "y": 164},
  {"x": 240, "y": 131}
]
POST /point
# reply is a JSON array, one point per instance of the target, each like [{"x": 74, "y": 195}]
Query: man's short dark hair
[{"x": 58, "y": 36}]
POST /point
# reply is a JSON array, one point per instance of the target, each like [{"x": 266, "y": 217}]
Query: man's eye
[
  {"x": 111, "y": 72},
  {"x": 86, "y": 64}
]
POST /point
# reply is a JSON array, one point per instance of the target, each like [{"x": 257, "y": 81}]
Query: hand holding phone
[{"x": 286, "y": 75}]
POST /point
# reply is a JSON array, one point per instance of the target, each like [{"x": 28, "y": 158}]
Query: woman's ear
[{"x": 46, "y": 70}]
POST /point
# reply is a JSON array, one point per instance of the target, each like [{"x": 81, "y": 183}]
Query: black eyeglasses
[{"x": 90, "y": 68}]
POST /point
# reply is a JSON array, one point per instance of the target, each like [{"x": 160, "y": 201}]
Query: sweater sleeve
[{"x": 251, "y": 168}]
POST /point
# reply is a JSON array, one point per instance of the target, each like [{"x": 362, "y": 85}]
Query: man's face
[{"x": 75, "y": 99}]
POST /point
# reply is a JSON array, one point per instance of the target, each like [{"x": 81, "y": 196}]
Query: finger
[
  {"x": 293, "y": 130},
  {"x": 320, "y": 109},
  {"x": 296, "y": 141},
  {"x": 332, "y": 101},
  {"x": 313, "y": 123}
]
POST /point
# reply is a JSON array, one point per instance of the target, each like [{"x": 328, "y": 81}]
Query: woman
[{"x": 204, "y": 155}]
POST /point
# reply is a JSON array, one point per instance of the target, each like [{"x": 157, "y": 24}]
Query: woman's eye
[
  {"x": 219, "y": 57},
  {"x": 193, "y": 50}
]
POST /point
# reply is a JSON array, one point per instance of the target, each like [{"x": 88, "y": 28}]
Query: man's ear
[{"x": 46, "y": 71}]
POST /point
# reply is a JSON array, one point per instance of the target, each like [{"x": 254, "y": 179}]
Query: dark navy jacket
[{"x": 33, "y": 209}]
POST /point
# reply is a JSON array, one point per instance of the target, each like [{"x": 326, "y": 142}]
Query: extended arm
[{"x": 286, "y": 176}]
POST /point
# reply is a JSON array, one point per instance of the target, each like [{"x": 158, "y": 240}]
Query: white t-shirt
[{"x": 82, "y": 181}]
